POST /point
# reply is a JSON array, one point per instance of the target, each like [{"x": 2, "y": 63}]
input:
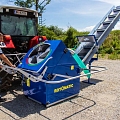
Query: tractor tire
[{"x": 5, "y": 81}]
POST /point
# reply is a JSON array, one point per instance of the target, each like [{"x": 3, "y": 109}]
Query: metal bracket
[{"x": 37, "y": 79}]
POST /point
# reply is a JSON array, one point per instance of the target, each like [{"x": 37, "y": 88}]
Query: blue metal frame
[{"x": 61, "y": 66}]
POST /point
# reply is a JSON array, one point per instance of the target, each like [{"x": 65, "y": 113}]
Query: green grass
[{"x": 113, "y": 56}]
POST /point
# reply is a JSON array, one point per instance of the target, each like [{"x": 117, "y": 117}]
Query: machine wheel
[{"x": 5, "y": 81}]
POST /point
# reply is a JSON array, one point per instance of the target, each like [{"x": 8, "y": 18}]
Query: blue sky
[{"x": 82, "y": 15}]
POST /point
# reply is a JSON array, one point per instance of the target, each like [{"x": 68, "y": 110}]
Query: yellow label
[
  {"x": 62, "y": 88},
  {"x": 72, "y": 67},
  {"x": 28, "y": 82}
]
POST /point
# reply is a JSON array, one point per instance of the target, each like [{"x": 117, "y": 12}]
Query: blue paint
[{"x": 62, "y": 63}]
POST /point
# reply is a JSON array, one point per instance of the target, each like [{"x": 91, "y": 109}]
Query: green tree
[
  {"x": 48, "y": 33},
  {"x": 56, "y": 30},
  {"x": 70, "y": 39},
  {"x": 111, "y": 46},
  {"x": 39, "y": 6},
  {"x": 22, "y": 3},
  {"x": 52, "y": 32}
]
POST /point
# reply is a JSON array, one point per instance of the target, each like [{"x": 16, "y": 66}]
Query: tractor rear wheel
[{"x": 5, "y": 81}]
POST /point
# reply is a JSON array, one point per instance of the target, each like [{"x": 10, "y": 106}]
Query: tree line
[{"x": 111, "y": 45}]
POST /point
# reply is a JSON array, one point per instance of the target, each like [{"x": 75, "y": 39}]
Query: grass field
[{"x": 109, "y": 56}]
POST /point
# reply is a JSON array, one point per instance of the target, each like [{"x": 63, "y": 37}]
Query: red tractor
[{"x": 18, "y": 25}]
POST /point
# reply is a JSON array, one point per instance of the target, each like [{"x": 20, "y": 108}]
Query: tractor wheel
[
  {"x": 5, "y": 81},
  {"x": 8, "y": 81}
]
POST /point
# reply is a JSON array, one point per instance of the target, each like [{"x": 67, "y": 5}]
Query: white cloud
[
  {"x": 6, "y": 2},
  {"x": 64, "y": 0},
  {"x": 90, "y": 28},
  {"x": 113, "y": 2},
  {"x": 87, "y": 9},
  {"x": 117, "y": 26},
  {"x": 82, "y": 11},
  {"x": 86, "y": 29}
]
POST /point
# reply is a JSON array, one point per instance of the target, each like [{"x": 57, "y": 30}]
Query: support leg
[{"x": 88, "y": 81}]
